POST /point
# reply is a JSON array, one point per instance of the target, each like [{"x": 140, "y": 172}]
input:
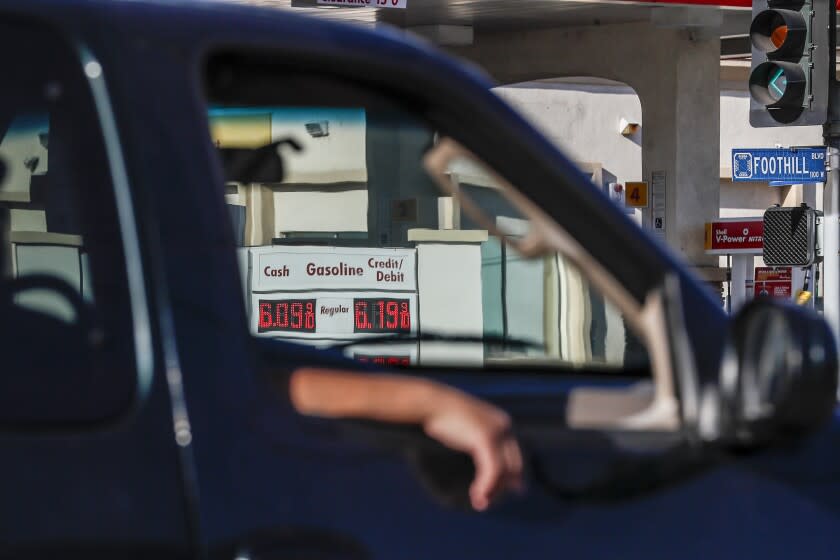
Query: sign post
[{"x": 743, "y": 238}]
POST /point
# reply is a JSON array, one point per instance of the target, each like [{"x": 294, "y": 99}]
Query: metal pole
[
  {"x": 831, "y": 239},
  {"x": 740, "y": 272},
  {"x": 809, "y": 197},
  {"x": 729, "y": 283},
  {"x": 831, "y": 194}
]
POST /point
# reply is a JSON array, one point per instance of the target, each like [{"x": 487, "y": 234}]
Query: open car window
[{"x": 346, "y": 240}]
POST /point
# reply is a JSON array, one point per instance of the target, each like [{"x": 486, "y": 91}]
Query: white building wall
[
  {"x": 582, "y": 119},
  {"x": 320, "y": 210},
  {"x": 736, "y": 132}
]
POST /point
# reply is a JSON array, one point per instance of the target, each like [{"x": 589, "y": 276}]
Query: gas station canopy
[{"x": 728, "y": 18}]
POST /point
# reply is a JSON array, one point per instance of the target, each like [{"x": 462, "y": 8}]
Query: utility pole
[
  {"x": 831, "y": 223},
  {"x": 831, "y": 194}
]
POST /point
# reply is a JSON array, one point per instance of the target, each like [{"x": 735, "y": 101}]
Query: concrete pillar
[
  {"x": 743, "y": 270},
  {"x": 674, "y": 71}
]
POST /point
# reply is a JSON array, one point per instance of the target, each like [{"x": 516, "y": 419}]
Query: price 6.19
[{"x": 381, "y": 315}]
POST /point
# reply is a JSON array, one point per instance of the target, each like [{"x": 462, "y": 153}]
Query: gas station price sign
[
  {"x": 333, "y": 315},
  {"x": 383, "y": 360},
  {"x": 289, "y": 315}
]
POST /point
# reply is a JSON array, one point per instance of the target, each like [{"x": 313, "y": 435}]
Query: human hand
[{"x": 467, "y": 424}]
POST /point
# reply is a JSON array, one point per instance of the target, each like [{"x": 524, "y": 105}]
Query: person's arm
[{"x": 454, "y": 418}]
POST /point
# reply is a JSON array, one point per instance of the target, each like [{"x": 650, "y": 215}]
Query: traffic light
[
  {"x": 792, "y": 236},
  {"x": 792, "y": 61}
]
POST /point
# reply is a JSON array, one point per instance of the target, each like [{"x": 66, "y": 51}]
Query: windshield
[{"x": 344, "y": 237}]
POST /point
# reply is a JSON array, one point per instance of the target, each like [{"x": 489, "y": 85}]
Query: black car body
[{"x": 188, "y": 451}]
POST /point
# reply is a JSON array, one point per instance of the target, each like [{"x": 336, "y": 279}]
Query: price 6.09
[{"x": 297, "y": 315}]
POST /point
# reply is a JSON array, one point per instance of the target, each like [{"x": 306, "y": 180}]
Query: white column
[{"x": 742, "y": 270}]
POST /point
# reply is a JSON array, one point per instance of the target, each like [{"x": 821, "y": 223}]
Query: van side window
[{"x": 66, "y": 352}]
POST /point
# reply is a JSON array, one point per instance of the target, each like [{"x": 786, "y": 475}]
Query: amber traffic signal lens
[
  {"x": 779, "y": 33},
  {"x": 778, "y": 36}
]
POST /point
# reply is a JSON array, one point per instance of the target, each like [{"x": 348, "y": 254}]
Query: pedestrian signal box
[{"x": 792, "y": 236}]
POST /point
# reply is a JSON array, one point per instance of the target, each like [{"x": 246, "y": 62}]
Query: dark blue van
[{"x": 198, "y": 197}]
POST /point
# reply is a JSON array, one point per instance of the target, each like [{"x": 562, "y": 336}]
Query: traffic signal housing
[{"x": 792, "y": 61}]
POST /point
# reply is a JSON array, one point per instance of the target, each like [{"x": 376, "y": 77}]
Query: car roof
[{"x": 191, "y": 23}]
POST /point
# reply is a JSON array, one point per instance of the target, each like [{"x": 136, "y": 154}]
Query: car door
[
  {"x": 403, "y": 199},
  {"x": 355, "y": 240},
  {"x": 90, "y": 466}
]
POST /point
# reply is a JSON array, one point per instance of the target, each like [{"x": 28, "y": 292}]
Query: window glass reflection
[{"x": 353, "y": 240}]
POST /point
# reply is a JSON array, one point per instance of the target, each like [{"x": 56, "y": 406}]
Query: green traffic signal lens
[
  {"x": 777, "y": 84},
  {"x": 780, "y": 87}
]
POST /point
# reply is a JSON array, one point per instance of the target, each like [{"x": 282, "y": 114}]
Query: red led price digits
[
  {"x": 293, "y": 315},
  {"x": 405, "y": 317},
  {"x": 392, "y": 310},
  {"x": 297, "y": 316},
  {"x": 381, "y": 315},
  {"x": 281, "y": 310},
  {"x": 360, "y": 314},
  {"x": 265, "y": 315},
  {"x": 309, "y": 318},
  {"x": 388, "y": 361}
]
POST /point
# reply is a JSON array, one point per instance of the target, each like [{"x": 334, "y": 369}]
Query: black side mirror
[
  {"x": 2, "y": 171},
  {"x": 779, "y": 380},
  {"x": 256, "y": 165}
]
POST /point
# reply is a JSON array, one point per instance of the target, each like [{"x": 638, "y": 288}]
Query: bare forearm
[
  {"x": 336, "y": 394},
  {"x": 455, "y": 419}
]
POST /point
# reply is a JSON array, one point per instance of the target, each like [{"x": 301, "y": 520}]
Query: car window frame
[
  {"x": 362, "y": 92},
  {"x": 90, "y": 74}
]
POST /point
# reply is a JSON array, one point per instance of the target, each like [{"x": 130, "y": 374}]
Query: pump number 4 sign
[{"x": 636, "y": 194}]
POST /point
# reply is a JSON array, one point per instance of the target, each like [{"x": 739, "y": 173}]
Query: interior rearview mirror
[{"x": 263, "y": 164}]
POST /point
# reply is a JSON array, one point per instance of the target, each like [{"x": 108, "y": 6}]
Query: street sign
[
  {"x": 636, "y": 194},
  {"x": 732, "y": 236},
  {"x": 791, "y": 165}
]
